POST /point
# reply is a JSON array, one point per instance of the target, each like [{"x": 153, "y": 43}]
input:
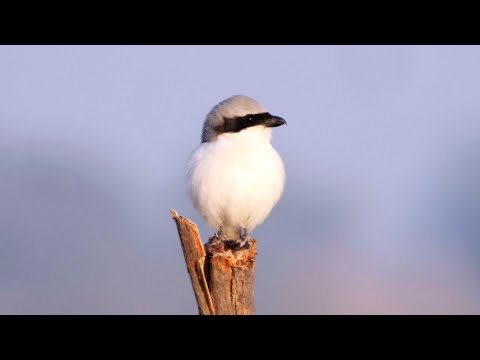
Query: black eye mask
[{"x": 239, "y": 123}]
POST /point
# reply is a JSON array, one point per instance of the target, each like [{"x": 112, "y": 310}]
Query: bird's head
[{"x": 235, "y": 114}]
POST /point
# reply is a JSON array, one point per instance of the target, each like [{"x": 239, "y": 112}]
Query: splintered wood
[{"x": 222, "y": 278}]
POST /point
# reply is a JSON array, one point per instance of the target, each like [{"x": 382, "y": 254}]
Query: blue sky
[{"x": 380, "y": 212}]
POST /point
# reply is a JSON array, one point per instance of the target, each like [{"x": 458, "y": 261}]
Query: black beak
[{"x": 274, "y": 121}]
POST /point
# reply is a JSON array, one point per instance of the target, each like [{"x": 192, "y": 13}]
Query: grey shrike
[{"x": 235, "y": 177}]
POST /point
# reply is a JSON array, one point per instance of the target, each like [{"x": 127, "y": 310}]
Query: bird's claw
[{"x": 243, "y": 242}]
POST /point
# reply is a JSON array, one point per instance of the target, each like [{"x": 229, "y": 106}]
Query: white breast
[{"x": 236, "y": 180}]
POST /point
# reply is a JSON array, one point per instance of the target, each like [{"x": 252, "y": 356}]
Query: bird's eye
[{"x": 249, "y": 118}]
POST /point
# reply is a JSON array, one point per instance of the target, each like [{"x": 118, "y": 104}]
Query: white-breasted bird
[{"x": 235, "y": 177}]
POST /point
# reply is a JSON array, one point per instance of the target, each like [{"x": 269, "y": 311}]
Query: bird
[{"x": 235, "y": 176}]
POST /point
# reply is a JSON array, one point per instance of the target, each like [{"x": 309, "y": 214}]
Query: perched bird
[{"x": 235, "y": 177}]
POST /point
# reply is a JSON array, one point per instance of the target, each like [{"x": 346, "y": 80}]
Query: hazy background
[{"x": 381, "y": 212}]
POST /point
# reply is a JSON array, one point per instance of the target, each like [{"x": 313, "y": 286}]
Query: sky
[{"x": 381, "y": 210}]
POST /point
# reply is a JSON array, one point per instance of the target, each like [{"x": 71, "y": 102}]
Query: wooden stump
[{"x": 222, "y": 278}]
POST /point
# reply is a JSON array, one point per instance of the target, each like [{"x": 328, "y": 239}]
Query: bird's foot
[
  {"x": 219, "y": 238},
  {"x": 243, "y": 242},
  {"x": 245, "y": 239}
]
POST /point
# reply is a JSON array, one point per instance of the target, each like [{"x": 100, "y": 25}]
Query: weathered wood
[
  {"x": 222, "y": 278},
  {"x": 194, "y": 254},
  {"x": 231, "y": 279}
]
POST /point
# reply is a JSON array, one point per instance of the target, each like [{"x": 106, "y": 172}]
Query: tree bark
[{"x": 222, "y": 278}]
